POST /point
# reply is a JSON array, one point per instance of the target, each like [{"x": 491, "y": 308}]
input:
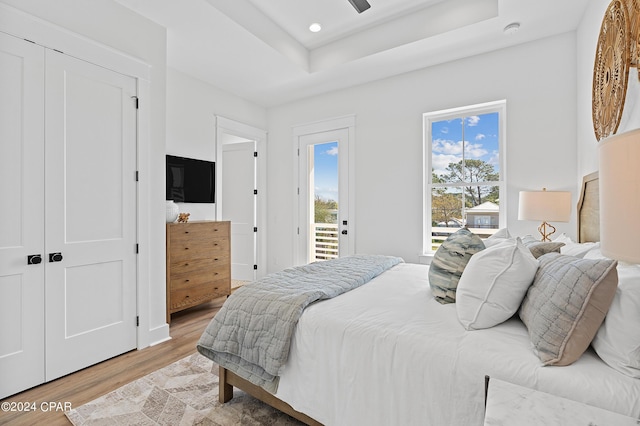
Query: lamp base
[{"x": 542, "y": 229}]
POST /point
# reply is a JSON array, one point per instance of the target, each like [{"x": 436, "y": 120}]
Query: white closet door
[
  {"x": 239, "y": 205},
  {"x": 21, "y": 214},
  {"x": 90, "y": 200}
]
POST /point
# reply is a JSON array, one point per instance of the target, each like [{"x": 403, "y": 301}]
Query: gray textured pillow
[
  {"x": 449, "y": 262},
  {"x": 566, "y": 304},
  {"x": 539, "y": 248}
]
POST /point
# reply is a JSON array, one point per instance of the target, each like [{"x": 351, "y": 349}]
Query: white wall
[
  {"x": 192, "y": 106},
  {"x": 587, "y": 40},
  {"x": 537, "y": 80}
]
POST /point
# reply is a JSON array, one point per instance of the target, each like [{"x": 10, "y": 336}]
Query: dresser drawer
[
  {"x": 216, "y": 278},
  {"x": 181, "y": 299},
  {"x": 198, "y": 249},
  {"x": 196, "y": 266},
  {"x": 198, "y": 231}
]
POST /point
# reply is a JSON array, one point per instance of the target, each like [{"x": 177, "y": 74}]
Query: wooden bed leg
[{"x": 225, "y": 390}]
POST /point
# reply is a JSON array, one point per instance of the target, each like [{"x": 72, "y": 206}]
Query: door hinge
[
  {"x": 298, "y": 231},
  {"x": 255, "y": 192},
  {"x": 137, "y": 248},
  {"x": 255, "y": 229},
  {"x": 255, "y": 267},
  {"x": 137, "y": 101},
  {"x": 137, "y": 176},
  {"x": 255, "y": 153},
  {"x": 137, "y": 321}
]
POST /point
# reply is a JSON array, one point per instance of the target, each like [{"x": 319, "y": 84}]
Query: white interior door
[
  {"x": 239, "y": 205},
  {"x": 21, "y": 215},
  {"x": 323, "y": 166},
  {"x": 90, "y": 203}
]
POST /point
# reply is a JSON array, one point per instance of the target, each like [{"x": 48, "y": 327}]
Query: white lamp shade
[
  {"x": 620, "y": 196},
  {"x": 547, "y": 206}
]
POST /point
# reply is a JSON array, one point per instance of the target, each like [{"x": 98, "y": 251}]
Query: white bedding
[{"x": 388, "y": 354}]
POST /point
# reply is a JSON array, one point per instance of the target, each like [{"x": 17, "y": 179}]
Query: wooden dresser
[{"x": 198, "y": 263}]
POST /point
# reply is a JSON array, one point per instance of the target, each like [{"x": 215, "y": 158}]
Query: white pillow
[
  {"x": 563, "y": 238},
  {"x": 617, "y": 341},
  {"x": 578, "y": 249},
  {"x": 494, "y": 284},
  {"x": 497, "y": 238}
]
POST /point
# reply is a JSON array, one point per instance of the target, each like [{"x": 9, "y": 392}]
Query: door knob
[
  {"x": 34, "y": 259},
  {"x": 344, "y": 232},
  {"x": 55, "y": 257}
]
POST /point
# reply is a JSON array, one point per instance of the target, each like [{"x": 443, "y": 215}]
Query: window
[{"x": 464, "y": 172}]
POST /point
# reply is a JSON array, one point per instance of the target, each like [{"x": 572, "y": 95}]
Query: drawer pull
[
  {"x": 215, "y": 288},
  {"x": 186, "y": 232},
  {"x": 186, "y": 248},
  {"x": 186, "y": 281},
  {"x": 215, "y": 273},
  {"x": 186, "y": 264},
  {"x": 216, "y": 259}
]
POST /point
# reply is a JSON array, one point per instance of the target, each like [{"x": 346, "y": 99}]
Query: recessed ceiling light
[
  {"x": 512, "y": 28},
  {"x": 315, "y": 27}
]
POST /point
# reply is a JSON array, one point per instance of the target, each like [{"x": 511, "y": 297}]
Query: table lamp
[
  {"x": 547, "y": 206},
  {"x": 620, "y": 196}
]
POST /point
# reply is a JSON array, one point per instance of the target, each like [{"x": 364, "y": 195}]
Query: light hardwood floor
[{"x": 92, "y": 382}]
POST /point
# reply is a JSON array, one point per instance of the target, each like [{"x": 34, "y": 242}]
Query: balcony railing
[
  {"x": 326, "y": 241},
  {"x": 440, "y": 233}
]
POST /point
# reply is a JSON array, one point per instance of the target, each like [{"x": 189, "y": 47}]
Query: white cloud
[
  {"x": 480, "y": 136},
  {"x": 451, "y": 148},
  {"x": 326, "y": 193},
  {"x": 445, "y": 146},
  {"x": 332, "y": 151},
  {"x": 444, "y": 130},
  {"x": 441, "y": 161},
  {"x": 473, "y": 120},
  {"x": 475, "y": 150}
]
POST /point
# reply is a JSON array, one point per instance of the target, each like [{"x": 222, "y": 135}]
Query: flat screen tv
[{"x": 190, "y": 180}]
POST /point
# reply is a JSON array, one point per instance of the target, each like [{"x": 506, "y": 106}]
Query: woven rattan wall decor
[
  {"x": 611, "y": 70},
  {"x": 633, "y": 12}
]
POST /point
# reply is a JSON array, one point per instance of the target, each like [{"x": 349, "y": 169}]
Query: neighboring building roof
[{"x": 486, "y": 207}]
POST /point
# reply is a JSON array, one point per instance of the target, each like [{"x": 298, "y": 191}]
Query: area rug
[{"x": 183, "y": 393}]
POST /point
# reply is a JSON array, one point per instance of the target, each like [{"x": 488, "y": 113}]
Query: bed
[{"x": 386, "y": 352}]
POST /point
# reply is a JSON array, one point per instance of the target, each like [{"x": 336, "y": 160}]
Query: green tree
[
  {"x": 474, "y": 171},
  {"x": 445, "y": 207},
  {"x": 323, "y": 210}
]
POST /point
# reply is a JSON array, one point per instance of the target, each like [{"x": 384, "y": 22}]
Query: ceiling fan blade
[{"x": 360, "y": 5}]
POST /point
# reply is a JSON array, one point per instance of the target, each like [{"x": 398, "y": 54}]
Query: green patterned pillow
[{"x": 449, "y": 262}]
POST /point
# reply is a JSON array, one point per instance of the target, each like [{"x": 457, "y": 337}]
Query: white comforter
[{"x": 388, "y": 354}]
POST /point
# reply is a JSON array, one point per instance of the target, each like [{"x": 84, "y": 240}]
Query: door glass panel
[{"x": 323, "y": 190}]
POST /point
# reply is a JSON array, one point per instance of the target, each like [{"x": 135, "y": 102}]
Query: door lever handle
[
  {"x": 344, "y": 232},
  {"x": 34, "y": 259},
  {"x": 55, "y": 257}
]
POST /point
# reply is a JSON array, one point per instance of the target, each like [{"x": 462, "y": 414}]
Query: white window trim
[{"x": 427, "y": 119}]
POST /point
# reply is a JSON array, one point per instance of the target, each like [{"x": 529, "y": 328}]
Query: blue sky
[
  {"x": 480, "y": 134},
  {"x": 326, "y": 170}
]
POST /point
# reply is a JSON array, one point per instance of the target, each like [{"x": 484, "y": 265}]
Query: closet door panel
[
  {"x": 21, "y": 215},
  {"x": 91, "y": 214}
]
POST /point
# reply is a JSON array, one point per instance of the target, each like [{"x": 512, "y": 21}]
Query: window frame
[{"x": 457, "y": 113}]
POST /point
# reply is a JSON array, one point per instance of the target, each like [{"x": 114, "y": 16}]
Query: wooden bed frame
[
  {"x": 229, "y": 379},
  {"x": 588, "y": 231}
]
